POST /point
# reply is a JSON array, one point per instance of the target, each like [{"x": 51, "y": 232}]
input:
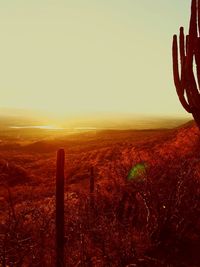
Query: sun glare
[{"x": 43, "y": 127}]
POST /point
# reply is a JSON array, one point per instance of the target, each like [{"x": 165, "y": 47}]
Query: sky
[{"x": 90, "y": 56}]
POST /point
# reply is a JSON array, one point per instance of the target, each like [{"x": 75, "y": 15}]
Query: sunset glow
[
  {"x": 78, "y": 57},
  {"x": 99, "y": 133}
]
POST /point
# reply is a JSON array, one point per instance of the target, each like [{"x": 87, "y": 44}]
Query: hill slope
[{"x": 150, "y": 221}]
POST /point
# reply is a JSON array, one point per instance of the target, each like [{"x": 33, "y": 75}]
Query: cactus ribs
[{"x": 187, "y": 82}]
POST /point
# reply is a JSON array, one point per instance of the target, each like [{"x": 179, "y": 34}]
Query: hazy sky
[{"x": 76, "y": 57}]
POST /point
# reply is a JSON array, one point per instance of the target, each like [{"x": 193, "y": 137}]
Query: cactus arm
[
  {"x": 198, "y": 15},
  {"x": 193, "y": 19},
  {"x": 182, "y": 46},
  {"x": 192, "y": 88},
  {"x": 191, "y": 37},
  {"x": 187, "y": 43},
  {"x": 197, "y": 60},
  {"x": 177, "y": 81},
  {"x": 190, "y": 81},
  {"x": 197, "y": 43}
]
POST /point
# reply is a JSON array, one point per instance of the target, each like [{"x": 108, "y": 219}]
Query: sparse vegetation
[{"x": 149, "y": 222}]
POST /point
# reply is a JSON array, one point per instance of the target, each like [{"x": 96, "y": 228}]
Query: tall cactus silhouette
[
  {"x": 186, "y": 80},
  {"x": 92, "y": 187},
  {"x": 60, "y": 208}
]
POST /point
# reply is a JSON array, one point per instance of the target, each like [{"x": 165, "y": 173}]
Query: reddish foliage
[{"x": 154, "y": 222}]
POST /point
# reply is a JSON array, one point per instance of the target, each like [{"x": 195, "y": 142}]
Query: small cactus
[
  {"x": 92, "y": 180},
  {"x": 92, "y": 187},
  {"x": 60, "y": 208}
]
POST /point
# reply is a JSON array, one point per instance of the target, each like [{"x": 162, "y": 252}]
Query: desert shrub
[
  {"x": 26, "y": 237},
  {"x": 174, "y": 188},
  {"x": 99, "y": 235},
  {"x": 12, "y": 174},
  {"x": 154, "y": 222}
]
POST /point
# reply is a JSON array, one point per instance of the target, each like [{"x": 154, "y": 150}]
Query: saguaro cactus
[
  {"x": 186, "y": 80},
  {"x": 92, "y": 187},
  {"x": 60, "y": 208}
]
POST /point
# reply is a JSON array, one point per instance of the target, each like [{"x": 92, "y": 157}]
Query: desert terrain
[{"x": 149, "y": 221}]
